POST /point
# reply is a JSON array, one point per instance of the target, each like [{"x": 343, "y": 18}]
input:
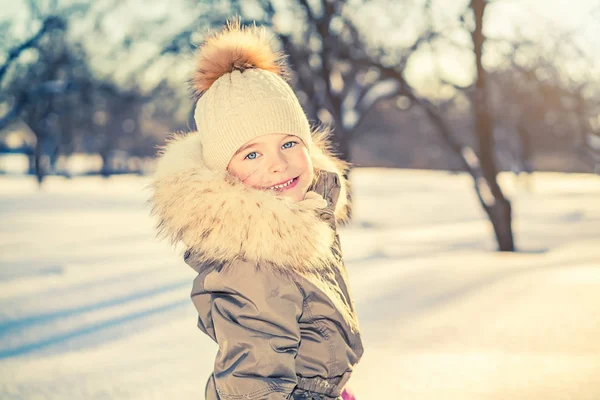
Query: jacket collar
[{"x": 219, "y": 219}]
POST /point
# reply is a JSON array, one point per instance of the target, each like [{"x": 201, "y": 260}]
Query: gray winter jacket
[{"x": 271, "y": 288}]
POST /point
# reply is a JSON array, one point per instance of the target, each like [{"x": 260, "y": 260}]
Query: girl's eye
[
  {"x": 289, "y": 145},
  {"x": 252, "y": 156}
]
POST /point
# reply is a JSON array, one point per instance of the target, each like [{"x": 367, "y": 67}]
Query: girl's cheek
[{"x": 253, "y": 179}]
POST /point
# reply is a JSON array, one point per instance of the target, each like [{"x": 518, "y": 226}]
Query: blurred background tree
[
  {"x": 52, "y": 83},
  {"x": 412, "y": 84}
]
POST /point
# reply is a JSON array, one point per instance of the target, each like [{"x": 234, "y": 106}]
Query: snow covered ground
[{"x": 92, "y": 307}]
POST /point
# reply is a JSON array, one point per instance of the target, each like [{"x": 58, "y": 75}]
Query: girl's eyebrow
[{"x": 245, "y": 147}]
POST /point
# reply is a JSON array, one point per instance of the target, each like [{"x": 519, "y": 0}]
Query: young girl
[{"x": 255, "y": 196}]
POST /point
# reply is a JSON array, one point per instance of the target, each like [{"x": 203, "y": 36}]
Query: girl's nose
[{"x": 278, "y": 163}]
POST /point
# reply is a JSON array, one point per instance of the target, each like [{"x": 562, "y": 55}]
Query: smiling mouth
[{"x": 283, "y": 185}]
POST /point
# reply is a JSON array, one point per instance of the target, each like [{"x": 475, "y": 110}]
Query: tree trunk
[
  {"x": 497, "y": 207},
  {"x": 341, "y": 143},
  {"x": 37, "y": 160},
  {"x": 342, "y": 150},
  {"x": 106, "y": 169},
  {"x": 500, "y": 214}
]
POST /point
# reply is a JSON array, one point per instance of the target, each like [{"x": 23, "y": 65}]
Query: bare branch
[
  {"x": 49, "y": 24},
  {"x": 44, "y": 89},
  {"x": 306, "y": 80},
  {"x": 11, "y": 115},
  {"x": 365, "y": 110}
]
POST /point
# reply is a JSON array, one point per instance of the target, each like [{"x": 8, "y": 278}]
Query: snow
[
  {"x": 14, "y": 164},
  {"x": 93, "y": 307}
]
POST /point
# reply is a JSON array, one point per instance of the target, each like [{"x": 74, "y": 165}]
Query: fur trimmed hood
[{"x": 220, "y": 219}]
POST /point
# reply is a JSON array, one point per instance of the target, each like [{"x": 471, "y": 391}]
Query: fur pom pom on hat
[
  {"x": 235, "y": 48},
  {"x": 243, "y": 94}
]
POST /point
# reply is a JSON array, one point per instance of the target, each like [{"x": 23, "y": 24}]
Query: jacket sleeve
[{"x": 255, "y": 314}]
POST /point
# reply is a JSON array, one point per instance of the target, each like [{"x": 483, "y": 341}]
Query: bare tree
[
  {"x": 479, "y": 164},
  {"x": 30, "y": 89},
  {"x": 548, "y": 106},
  {"x": 35, "y": 89},
  {"x": 322, "y": 45},
  {"x": 49, "y": 24},
  {"x": 62, "y": 99}
]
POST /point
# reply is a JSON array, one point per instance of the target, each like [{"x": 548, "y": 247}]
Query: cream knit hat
[{"x": 242, "y": 94}]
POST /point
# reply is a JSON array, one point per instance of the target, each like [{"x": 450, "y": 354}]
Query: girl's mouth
[{"x": 285, "y": 185}]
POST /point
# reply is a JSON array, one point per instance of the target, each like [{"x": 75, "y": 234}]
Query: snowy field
[{"x": 92, "y": 307}]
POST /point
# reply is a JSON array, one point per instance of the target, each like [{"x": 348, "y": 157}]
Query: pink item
[{"x": 348, "y": 395}]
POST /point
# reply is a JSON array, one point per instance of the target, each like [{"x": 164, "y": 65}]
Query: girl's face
[{"x": 276, "y": 162}]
